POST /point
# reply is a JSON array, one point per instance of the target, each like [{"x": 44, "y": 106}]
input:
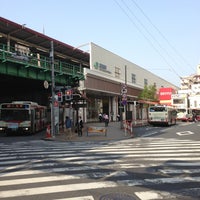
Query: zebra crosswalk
[{"x": 143, "y": 168}]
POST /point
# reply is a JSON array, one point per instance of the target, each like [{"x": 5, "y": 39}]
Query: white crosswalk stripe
[{"x": 75, "y": 171}]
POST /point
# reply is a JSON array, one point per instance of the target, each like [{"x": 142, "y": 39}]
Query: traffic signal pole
[
  {"x": 125, "y": 106},
  {"x": 52, "y": 91}
]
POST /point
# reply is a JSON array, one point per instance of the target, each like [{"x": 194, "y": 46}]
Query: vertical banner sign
[{"x": 124, "y": 94}]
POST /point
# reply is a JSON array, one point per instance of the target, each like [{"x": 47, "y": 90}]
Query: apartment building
[{"x": 187, "y": 99}]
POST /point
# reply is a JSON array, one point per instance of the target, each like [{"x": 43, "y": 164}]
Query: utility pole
[
  {"x": 125, "y": 105},
  {"x": 124, "y": 98},
  {"x": 126, "y": 88},
  {"x": 52, "y": 91}
]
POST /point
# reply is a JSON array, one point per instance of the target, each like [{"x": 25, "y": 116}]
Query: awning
[{"x": 166, "y": 102}]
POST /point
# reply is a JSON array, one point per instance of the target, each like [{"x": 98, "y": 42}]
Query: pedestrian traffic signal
[
  {"x": 60, "y": 97},
  {"x": 68, "y": 95}
]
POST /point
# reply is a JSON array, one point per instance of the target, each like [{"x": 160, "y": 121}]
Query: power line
[
  {"x": 162, "y": 35},
  {"x": 145, "y": 35}
]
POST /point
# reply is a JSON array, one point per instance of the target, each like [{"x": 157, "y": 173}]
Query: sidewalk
[{"x": 114, "y": 132}]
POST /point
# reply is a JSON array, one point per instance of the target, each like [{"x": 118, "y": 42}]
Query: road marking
[
  {"x": 117, "y": 154},
  {"x": 78, "y": 198},
  {"x": 170, "y": 158},
  {"x": 148, "y": 195},
  {"x": 157, "y": 181},
  {"x": 185, "y": 133},
  {"x": 57, "y": 188},
  {"x": 179, "y": 171},
  {"x": 39, "y": 179},
  {"x": 149, "y": 134},
  {"x": 151, "y": 195}
]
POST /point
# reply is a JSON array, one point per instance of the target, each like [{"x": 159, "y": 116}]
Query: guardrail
[{"x": 40, "y": 62}]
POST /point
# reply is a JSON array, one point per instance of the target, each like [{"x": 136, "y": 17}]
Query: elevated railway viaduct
[{"x": 25, "y": 63}]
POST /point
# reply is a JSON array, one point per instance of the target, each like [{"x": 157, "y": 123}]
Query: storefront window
[
  {"x": 97, "y": 105},
  {"x": 94, "y": 108}
]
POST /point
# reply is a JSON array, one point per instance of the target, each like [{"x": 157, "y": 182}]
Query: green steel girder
[
  {"x": 14, "y": 69},
  {"x": 32, "y": 68}
]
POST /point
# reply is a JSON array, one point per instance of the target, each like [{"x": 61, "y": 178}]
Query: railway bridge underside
[
  {"x": 22, "y": 78},
  {"x": 25, "y": 63}
]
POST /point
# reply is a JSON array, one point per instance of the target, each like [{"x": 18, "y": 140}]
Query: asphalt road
[
  {"x": 160, "y": 163},
  {"x": 182, "y": 130}
]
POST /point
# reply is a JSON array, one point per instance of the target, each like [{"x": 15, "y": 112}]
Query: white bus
[
  {"x": 22, "y": 117},
  {"x": 162, "y": 115}
]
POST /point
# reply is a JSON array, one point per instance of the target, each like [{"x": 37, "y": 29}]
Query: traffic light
[
  {"x": 75, "y": 82},
  {"x": 68, "y": 95},
  {"x": 60, "y": 97}
]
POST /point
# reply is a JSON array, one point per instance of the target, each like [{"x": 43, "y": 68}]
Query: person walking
[
  {"x": 80, "y": 126},
  {"x": 68, "y": 126}
]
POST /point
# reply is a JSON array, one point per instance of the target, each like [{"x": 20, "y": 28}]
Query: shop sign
[
  {"x": 101, "y": 67},
  {"x": 165, "y": 93}
]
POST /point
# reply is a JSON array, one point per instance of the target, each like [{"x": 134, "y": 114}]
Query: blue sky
[{"x": 162, "y": 36}]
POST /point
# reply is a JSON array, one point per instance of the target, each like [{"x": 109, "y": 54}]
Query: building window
[
  {"x": 117, "y": 72},
  {"x": 145, "y": 81},
  {"x": 133, "y": 78}
]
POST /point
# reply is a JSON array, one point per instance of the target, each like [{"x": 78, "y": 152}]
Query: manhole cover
[{"x": 116, "y": 196}]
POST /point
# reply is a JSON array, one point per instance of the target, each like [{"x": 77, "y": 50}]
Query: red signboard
[{"x": 165, "y": 93}]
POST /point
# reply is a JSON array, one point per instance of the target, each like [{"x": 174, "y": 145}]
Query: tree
[{"x": 149, "y": 93}]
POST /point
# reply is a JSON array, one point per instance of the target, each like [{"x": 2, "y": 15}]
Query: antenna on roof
[{"x": 43, "y": 31}]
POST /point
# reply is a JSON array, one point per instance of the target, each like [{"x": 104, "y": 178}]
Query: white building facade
[
  {"x": 187, "y": 99},
  {"x": 103, "y": 84}
]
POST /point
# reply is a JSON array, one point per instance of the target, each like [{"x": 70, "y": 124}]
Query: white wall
[{"x": 107, "y": 61}]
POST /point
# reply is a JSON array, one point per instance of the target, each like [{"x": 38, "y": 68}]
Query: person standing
[
  {"x": 68, "y": 126},
  {"x": 106, "y": 119},
  {"x": 118, "y": 117},
  {"x": 100, "y": 117},
  {"x": 80, "y": 126}
]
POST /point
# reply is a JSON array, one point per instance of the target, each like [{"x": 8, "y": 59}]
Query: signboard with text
[
  {"x": 124, "y": 94},
  {"x": 166, "y": 93}
]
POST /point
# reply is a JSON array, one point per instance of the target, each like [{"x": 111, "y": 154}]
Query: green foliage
[{"x": 149, "y": 93}]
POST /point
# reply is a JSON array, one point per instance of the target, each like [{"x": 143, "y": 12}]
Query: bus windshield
[
  {"x": 181, "y": 110},
  {"x": 157, "y": 109},
  {"x": 18, "y": 115}
]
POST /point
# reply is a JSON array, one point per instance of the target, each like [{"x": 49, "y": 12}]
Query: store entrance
[
  {"x": 98, "y": 104},
  {"x": 105, "y": 109}
]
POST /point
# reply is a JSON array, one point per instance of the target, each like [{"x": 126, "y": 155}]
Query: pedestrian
[
  {"x": 111, "y": 116},
  {"x": 80, "y": 127},
  {"x": 68, "y": 126},
  {"x": 194, "y": 116},
  {"x": 118, "y": 117},
  {"x": 100, "y": 117},
  {"x": 106, "y": 119}
]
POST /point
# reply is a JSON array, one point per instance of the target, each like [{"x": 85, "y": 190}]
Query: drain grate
[{"x": 116, "y": 196}]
